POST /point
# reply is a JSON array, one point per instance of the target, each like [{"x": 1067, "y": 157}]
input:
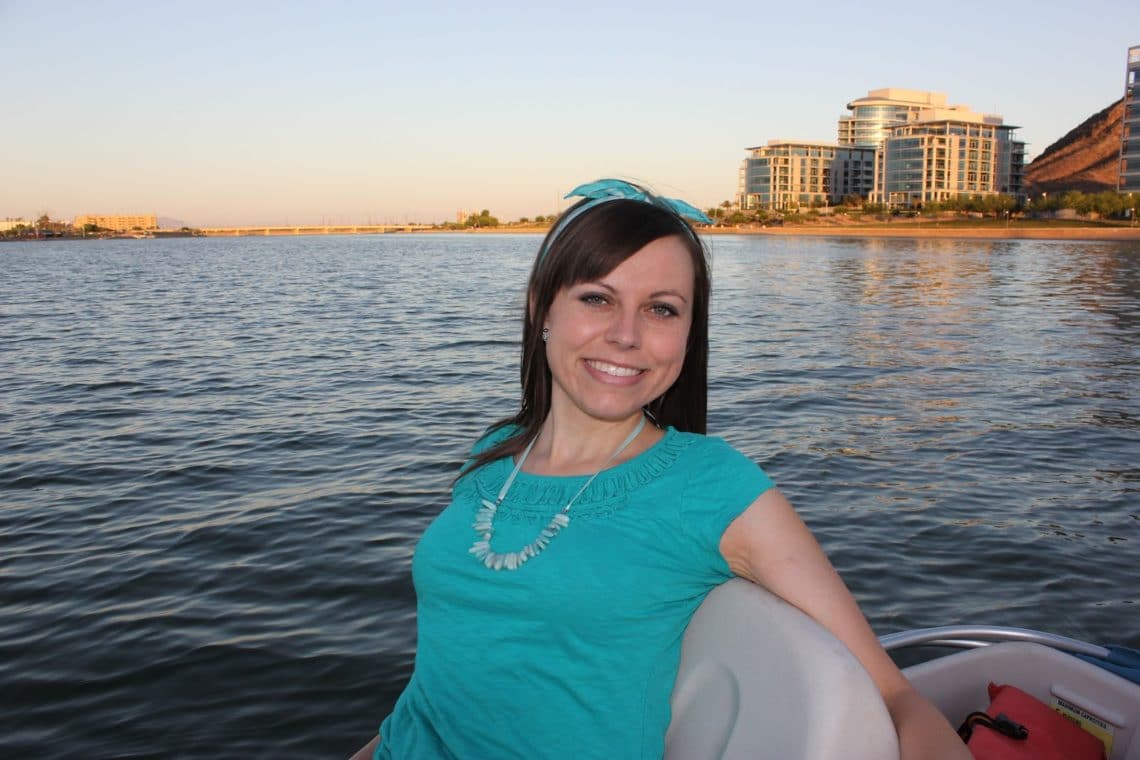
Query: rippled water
[{"x": 216, "y": 456}]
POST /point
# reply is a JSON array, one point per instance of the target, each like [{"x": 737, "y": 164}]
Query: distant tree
[
  {"x": 1077, "y": 201},
  {"x": 1006, "y": 204},
  {"x": 990, "y": 204},
  {"x": 483, "y": 219},
  {"x": 1044, "y": 203},
  {"x": 1108, "y": 203},
  {"x": 1131, "y": 203}
]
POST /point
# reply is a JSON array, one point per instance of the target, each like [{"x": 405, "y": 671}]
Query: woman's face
[{"x": 617, "y": 343}]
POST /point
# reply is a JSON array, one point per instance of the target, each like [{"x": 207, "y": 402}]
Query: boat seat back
[{"x": 760, "y": 679}]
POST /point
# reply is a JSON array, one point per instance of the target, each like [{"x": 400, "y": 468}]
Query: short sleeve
[{"x": 722, "y": 484}]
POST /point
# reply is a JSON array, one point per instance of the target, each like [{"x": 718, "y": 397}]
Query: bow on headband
[
  {"x": 612, "y": 189},
  {"x": 604, "y": 190}
]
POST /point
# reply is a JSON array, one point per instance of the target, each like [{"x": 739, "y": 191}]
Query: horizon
[{"x": 282, "y": 114}]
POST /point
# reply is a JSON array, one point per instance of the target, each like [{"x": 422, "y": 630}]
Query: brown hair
[{"x": 594, "y": 243}]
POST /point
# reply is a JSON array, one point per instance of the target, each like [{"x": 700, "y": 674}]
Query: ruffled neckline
[{"x": 540, "y": 492}]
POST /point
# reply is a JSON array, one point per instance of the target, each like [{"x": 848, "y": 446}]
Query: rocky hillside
[{"x": 1086, "y": 159}]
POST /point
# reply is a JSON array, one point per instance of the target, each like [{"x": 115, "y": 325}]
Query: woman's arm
[
  {"x": 769, "y": 545},
  {"x": 365, "y": 752}
]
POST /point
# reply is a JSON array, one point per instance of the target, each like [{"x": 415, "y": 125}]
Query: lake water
[{"x": 216, "y": 456}]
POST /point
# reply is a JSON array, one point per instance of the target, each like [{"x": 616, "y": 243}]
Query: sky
[{"x": 245, "y": 112}]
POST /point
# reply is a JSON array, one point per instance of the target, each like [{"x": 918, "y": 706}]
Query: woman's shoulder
[
  {"x": 493, "y": 436},
  {"x": 709, "y": 450}
]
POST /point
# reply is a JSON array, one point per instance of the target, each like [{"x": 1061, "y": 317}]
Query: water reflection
[{"x": 217, "y": 454}]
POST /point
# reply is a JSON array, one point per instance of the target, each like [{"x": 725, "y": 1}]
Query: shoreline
[
  {"x": 903, "y": 230},
  {"x": 896, "y": 230},
  {"x": 944, "y": 233}
]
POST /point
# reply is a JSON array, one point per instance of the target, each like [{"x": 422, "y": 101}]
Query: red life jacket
[{"x": 1047, "y": 734}]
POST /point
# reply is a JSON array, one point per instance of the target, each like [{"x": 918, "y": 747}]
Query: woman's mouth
[{"x": 613, "y": 370}]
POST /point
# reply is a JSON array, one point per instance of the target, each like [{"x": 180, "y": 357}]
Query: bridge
[{"x": 313, "y": 229}]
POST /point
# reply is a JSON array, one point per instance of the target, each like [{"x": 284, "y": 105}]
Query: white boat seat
[{"x": 760, "y": 679}]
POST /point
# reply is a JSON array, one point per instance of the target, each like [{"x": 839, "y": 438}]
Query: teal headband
[{"x": 605, "y": 190}]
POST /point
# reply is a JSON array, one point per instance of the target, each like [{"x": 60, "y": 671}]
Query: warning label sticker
[{"x": 1086, "y": 720}]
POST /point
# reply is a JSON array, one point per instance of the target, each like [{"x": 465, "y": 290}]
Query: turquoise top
[{"x": 575, "y": 653}]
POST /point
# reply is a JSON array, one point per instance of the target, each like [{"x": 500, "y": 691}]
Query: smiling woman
[{"x": 586, "y": 529}]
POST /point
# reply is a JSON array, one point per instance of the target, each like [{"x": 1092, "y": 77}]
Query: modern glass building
[
  {"x": 786, "y": 174},
  {"x": 1130, "y": 133},
  {"x": 937, "y": 156},
  {"x": 872, "y": 118},
  {"x": 931, "y": 151}
]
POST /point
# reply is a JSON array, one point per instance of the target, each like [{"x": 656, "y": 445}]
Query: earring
[{"x": 545, "y": 334}]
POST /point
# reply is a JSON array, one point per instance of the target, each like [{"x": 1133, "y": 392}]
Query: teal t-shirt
[{"x": 575, "y": 653}]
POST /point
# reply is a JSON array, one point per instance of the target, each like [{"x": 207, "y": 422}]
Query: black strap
[{"x": 1003, "y": 724}]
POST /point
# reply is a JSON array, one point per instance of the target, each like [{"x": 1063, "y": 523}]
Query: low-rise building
[
  {"x": 118, "y": 223},
  {"x": 7, "y": 225}
]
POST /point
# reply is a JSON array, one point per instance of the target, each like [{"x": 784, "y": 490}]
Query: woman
[{"x": 553, "y": 592}]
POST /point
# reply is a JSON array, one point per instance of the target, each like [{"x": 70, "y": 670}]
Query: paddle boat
[{"x": 760, "y": 679}]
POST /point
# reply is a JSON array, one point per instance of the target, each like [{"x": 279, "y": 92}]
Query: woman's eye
[
  {"x": 663, "y": 310},
  {"x": 593, "y": 299}
]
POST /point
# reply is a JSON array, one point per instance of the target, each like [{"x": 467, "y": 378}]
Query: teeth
[{"x": 613, "y": 369}]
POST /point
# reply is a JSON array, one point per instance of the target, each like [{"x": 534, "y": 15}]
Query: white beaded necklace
[{"x": 485, "y": 517}]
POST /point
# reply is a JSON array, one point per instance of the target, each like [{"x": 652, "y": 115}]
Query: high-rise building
[
  {"x": 872, "y": 117},
  {"x": 931, "y": 151},
  {"x": 1130, "y": 132},
  {"x": 787, "y": 174},
  {"x": 937, "y": 155}
]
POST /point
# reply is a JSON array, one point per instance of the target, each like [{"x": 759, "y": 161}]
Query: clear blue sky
[{"x": 218, "y": 113}]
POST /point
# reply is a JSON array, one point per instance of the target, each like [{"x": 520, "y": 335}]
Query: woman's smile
[{"x": 613, "y": 370}]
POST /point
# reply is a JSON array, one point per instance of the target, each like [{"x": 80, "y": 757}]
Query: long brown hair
[{"x": 591, "y": 246}]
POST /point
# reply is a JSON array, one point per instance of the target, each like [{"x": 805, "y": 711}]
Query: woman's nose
[{"x": 624, "y": 329}]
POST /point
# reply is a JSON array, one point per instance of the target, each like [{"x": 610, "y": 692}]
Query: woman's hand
[{"x": 769, "y": 544}]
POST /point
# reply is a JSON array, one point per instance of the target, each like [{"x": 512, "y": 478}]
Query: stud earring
[{"x": 545, "y": 334}]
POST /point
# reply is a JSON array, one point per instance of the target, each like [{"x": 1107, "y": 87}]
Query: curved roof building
[{"x": 872, "y": 117}]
